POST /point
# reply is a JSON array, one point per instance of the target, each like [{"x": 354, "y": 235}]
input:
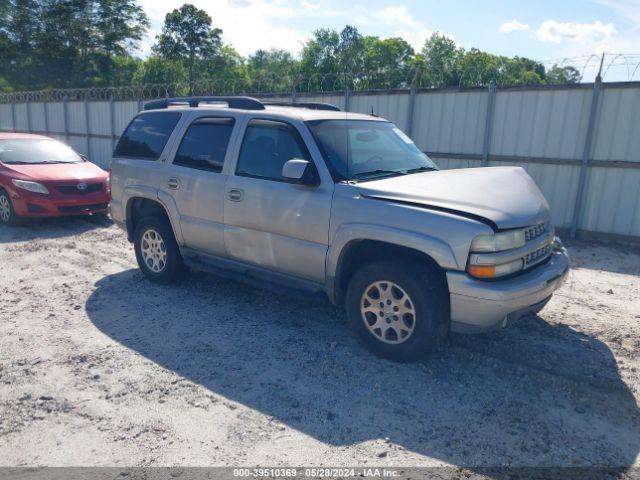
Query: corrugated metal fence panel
[
  {"x": 37, "y": 114},
  {"x": 100, "y": 118},
  {"x": 101, "y": 150},
  {"x": 451, "y": 122},
  {"x": 6, "y": 122},
  {"x": 558, "y": 183},
  {"x": 612, "y": 201},
  {"x": 540, "y": 123},
  {"x": 618, "y": 125},
  {"x": 124, "y": 112},
  {"x": 393, "y": 107},
  {"x": 55, "y": 117},
  {"x": 22, "y": 123},
  {"x": 449, "y": 163},
  {"x": 77, "y": 118}
]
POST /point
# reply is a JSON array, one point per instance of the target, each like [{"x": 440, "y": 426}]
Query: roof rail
[
  {"x": 309, "y": 105},
  {"x": 241, "y": 103}
]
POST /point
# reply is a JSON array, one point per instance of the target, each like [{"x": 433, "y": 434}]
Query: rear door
[{"x": 196, "y": 182}]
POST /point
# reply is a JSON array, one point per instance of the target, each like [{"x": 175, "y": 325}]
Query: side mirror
[{"x": 301, "y": 172}]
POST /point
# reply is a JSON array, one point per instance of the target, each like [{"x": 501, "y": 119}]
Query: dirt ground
[{"x": 100, "y": 367}]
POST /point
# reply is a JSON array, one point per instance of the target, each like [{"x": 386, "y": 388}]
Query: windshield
[
  {"x": 367, "y": 149},
  {"x": 29, "y": 150}
]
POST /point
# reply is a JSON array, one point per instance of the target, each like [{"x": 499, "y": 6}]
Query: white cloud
[
  {"x": 247, "y": 25},
  {"x": 512, "y": 26},
  {"x": 552, "y": 31}
]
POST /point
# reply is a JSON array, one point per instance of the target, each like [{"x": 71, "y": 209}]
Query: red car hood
[{"x": 56, "y": 172}]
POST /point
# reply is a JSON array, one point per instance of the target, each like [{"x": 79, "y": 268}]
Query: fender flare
[
  {"x": 164, "y": 199},
  {"x": 347, "y": 233}
]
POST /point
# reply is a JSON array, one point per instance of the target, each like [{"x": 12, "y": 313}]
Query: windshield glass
[
  {"x": 363, "y": 149},
  {"x": 28, "y": 151}
]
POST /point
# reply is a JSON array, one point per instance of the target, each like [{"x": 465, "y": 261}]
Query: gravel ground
[{"x": 100, "y": 367}]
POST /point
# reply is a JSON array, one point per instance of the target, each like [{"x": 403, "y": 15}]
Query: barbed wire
[{"x": 320, "y": 84}]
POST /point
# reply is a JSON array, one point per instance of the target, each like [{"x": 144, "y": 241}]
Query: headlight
[
  {"x": 493, "y": 271},
  {"x": 498, "y": 242},
  {"x": 31, "y": 186}
]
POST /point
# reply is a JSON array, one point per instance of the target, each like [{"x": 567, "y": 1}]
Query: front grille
[
  {"x": 537, "y": 256},
  {"x": 74, "y": 190},
  {"x": 84, "y": 208},
  {"x": 535, "y": 231}
]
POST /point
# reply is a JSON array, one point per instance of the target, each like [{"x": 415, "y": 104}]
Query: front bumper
[
  {"x": 34, "y": 205},
  {"x": 478, "y": 306}
]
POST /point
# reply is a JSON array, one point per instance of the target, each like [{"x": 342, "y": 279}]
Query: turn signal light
[{"x": 482, "y": 271}]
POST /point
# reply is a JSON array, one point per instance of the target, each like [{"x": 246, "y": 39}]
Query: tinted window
[
  {"x": 205, "y": 144},
  {"x": 266, "y": 147},
  {"x": 147, "y": 135}
]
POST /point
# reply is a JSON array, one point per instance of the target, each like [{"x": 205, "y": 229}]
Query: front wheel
[
  {"x": 157, "y": 252},
  {"x": 7, "y": 214},
  {"x": 398, "y": 309}
]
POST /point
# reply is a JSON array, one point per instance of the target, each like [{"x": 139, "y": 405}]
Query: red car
[{"x": 41, "y": 177}]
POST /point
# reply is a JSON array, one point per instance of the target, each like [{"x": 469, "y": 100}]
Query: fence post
[
  {"x": 13, "y": 116},
  {"x": 347, "y": 98},
  {"x": 412, "y": 101},
  {"x": 65, "y": 119},
  {"x": 46, "y": 117},
  {"x": 488, "y": 124},
  {"x": 88, "y": 126},
  {"x": 28, "y": 116},
  {"x": 112, "y": 118},
  {"x": 586, "y": 157}
]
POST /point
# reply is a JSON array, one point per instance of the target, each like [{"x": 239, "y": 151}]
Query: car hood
[
  {"x": 505, "y": 196},
  {"x": 55, "y": 172}
]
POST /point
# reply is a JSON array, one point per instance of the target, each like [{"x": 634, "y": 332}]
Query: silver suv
[{"x": 309, "y": 197}]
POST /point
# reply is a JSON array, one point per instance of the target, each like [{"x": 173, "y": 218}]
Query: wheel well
[
  {"x": 138, "y": 208},
  {"x": 359, "y": 252}
]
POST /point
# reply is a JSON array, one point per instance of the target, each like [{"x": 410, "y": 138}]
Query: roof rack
[
  {"x": 241, "y": 103},
  {"x": 309, "y": 105}
]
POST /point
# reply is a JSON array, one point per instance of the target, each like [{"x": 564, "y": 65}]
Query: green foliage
[
  {"x": 81, "y": 43},
  {"x": 187, "y": 36}
]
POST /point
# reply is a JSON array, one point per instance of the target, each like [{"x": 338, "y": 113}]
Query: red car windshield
[{"x": 31, "y": 151}]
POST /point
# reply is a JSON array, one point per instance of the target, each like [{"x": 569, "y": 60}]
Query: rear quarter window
[{"x": 147, "y": 135}]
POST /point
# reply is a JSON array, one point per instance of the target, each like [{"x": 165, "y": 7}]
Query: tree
[
  {"x": 156, "y": 70},
  {"x": 187, "y": 36},
  {"x": 563, "y": 75},
  {"x": 441, "y": 60},
  {"x": 388, "y": 63}
]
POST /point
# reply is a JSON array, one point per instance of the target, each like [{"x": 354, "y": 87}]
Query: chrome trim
[{"x": 506, "y": 256}]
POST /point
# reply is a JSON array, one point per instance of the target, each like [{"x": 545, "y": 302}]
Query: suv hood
[{"x": 505, "y": 196}]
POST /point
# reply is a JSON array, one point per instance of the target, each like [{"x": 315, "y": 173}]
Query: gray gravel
[{"x": 100, "y": 367}]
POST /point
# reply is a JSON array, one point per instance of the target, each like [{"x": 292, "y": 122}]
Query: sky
[{"x": 545, "y": 30}]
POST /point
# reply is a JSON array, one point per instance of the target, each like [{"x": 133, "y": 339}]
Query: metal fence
[{"x": 581, "y": 143}]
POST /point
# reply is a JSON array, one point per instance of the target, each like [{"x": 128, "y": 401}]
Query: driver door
[{"x": 280, "y": 226}]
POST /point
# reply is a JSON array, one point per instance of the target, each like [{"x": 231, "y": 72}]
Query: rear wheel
[
  {"x": 7, "y": 214},
  {"x": 399, "y": 310},
  {"x": 157, "y": 252}
]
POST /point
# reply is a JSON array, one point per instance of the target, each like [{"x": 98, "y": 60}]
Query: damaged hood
[{"x": 505, "y": 196}]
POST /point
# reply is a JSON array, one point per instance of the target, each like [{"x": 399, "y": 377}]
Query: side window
[
  {"x": 146, "y": 135},
  {"x": 204, "y": 145},
  {"x": 267, "y": 146}
]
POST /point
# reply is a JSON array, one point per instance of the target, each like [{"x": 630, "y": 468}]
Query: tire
[
  {"x": 400, "y": 331},
  {"x": 157, "y": 252},
  {"x": 7, "y": 214}
]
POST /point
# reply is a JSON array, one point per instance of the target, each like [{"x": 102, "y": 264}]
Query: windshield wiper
[
  {"x": 420, "y": 169},
  {"x": 379, "y": 173}
]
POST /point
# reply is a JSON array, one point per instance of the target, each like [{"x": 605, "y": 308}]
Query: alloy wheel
[{"x": 388, "y": 312}]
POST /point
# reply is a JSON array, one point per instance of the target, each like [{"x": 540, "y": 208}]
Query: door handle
[
  {"x": 235, "y": 195},
  {"x": 173, "y": 183}
]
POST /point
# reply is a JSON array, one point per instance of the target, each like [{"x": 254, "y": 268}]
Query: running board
[{"x": 250, "y": 274}]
